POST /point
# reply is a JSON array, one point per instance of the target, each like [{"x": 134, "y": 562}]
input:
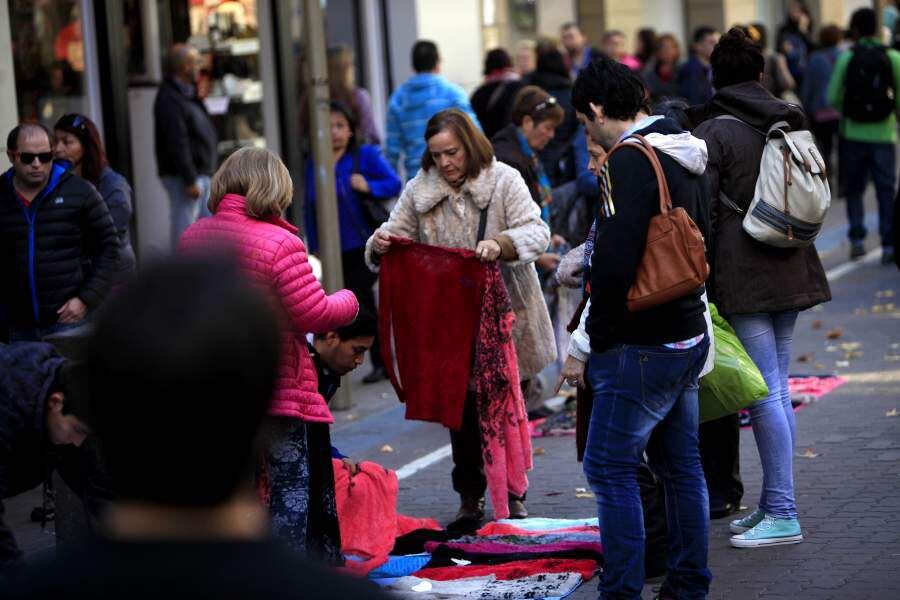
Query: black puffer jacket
[
  {"x": 748, "y": 276},
  {"x": 64, "y": 245},
  {"x": 185, "y": 135}
]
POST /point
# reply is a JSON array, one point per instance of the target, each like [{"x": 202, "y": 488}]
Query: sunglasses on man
[{"x": 28, "y": 157}]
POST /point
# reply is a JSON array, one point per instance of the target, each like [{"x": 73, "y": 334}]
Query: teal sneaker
[
  {"x": 746, "y": 523},
  {"x": 771, "y": 531}
]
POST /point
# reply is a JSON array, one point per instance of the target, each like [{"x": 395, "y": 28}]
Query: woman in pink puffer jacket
[{"x": 248, "y": 194}]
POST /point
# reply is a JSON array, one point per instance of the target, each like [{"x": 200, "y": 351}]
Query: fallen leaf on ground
[
  {"x": 820, "y": 366},
  {"x": 831, "y": 348},
  {"x": 584, "y": 495},
  {"x": 817, "y": 324},
  {"x": 853, "y": 354},
  {"x": 841, "y": 364},
  {"x": 804, "y": 358},
  {"x": 553, "y": 494},
  {"x": 878, "y": 308},
  {"x": 892, "y": 357},
  {"x": 808, "y": 453},
  {"x": 895, "y": 346},
  {"x": 892, "y": 413},
  {"x": 848, "y": 346},
  {"x": 352, "y": 417},
  {"x": 835, "y": 333},
  {"x": 538, "y": 451},
  {"x": 387, "y": 448},
  {"x": 859, "y": 312},
  {"x": 889, "y": 307},
  {"x": 885, "y": 294}
]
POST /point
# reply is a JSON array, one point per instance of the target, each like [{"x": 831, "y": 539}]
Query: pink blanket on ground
[
  {"x": 494, "y": 528},
  {"x": 814, "y": 386},
  {"x": 498, "y": 548}
]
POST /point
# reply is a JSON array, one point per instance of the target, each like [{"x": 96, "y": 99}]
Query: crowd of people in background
[{"x": 517, "y": 173}]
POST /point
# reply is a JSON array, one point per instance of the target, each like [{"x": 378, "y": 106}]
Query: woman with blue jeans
[{"x": 759, "y": 288}]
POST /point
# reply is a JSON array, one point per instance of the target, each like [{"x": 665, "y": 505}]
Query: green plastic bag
[{"x": 735, "y": 382}]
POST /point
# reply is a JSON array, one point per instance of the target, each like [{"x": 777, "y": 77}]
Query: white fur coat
[{"x": 432, "y": 212}]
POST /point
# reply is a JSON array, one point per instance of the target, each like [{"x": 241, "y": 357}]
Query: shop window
[
  {"x": 48, "y": 58},
  {"x": 230, "y": 83}
]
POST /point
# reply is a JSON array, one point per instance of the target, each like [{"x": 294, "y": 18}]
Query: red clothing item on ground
[
  {"x": 513, "y": 570},
  {"x": 429, "y": 307},
  {"x": 495, "y": 528},
  {"x": 367, "y": 514}
]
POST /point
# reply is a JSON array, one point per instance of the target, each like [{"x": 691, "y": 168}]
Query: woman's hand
[
  {"x": 572, "y": 373},
  {"x": 487, "y": 250},
  {"x": 548, "y": 261},
  {"x": 359, "y": 183},
  {"x": 381, "y": 241},
  {"x": 557, "y": 240}
]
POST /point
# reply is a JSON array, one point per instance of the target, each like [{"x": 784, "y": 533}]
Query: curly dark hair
[
  {"x": 613, "y": 86},
  {"x": 736, "y": 59}
]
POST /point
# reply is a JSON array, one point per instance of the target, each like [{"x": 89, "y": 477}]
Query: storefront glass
[
  {"x": 227, "y": 36},
  {"x": 48, "y": 58}
]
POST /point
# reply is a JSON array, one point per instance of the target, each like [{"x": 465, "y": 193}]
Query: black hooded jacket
[
  {"x": 61, "y": 246},
  {"x": 748, "y": 276}
]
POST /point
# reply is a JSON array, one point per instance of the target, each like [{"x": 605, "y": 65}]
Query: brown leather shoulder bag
[{"x": 674, "y": 261}]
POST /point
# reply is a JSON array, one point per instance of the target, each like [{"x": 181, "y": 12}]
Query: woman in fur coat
[{"x": 441, "y": 206}]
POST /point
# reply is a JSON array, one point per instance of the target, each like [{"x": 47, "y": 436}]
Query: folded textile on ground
[
  {"x": 367, "y": 514},
  {"x": 815, "y": 386},
  {"x": 400, "y": 566},
  {"x": 496, "y": 528},
  {"x": 512, "y": 570},
  {"x": 487, "y": 547},
  {"x": 444, "y": 556},
  {"x": 541, "y": 539},
  {"x": 543, "y": 523},
  {"x": 546, "y": 585}
]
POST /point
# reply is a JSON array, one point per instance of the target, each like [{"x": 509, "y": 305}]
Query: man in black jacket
[
  {"x": 58, "y": 244},
  {"x": 42, "y": 404},
  {"x": 643, "y": 366},
  {"x": 186, "y": 140}
]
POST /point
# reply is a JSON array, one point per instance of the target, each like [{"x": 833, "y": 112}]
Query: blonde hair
[{"x": 259, "y": 176}]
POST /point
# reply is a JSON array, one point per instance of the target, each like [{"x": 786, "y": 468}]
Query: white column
[
  {"x": 93, "y": 101},
  {"x": 373, "y": 51}
]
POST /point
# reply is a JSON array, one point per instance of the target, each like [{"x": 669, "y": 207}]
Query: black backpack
[{"x": 869, "y": 86}]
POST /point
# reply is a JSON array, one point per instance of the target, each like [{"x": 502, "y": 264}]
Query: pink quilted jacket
[{"x": 272, "y": 254}]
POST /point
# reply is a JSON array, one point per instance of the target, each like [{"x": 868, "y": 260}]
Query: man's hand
[
  {"x": 548, "y": 261},
  {"x": 192, "y": 191},
  {"x": 382, "y": 241},
  {"x": 350, "y": 465},
  {"x": 487, "y": 251},
  {"x": 72, "y": 311},
  {"x": 359, "y": 183},
  {"x": 572, "y": 373}
]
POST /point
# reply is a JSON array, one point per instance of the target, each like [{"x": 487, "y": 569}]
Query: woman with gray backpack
[{"x": 769, "y": 197}]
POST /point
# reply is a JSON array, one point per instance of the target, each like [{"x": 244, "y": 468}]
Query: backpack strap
[
  {"x": 724, "y": 199},
  {"x": 727, "y": 117}
]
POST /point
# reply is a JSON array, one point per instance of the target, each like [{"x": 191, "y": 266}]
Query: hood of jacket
[
  {"x": 429, "y": 187},
  {"x": 752, "y": 103},
  {"x": 420, "y": 88},
  {"x": 27, "y": 372},
  {"x": 666, "y": 136}
]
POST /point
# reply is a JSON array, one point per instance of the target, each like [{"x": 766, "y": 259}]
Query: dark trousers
[
  {"x": 360, "y": 280},
  {"x": 826, "y": 133},
  {"x": 858, "y": 161},
  {"x": 720, "y": 444},
  {"x": 468, "y": 464}
]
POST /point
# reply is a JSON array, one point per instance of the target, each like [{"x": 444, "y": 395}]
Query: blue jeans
[
  {"x": 183, "y": 211},
  {"x": 767, "y": 337},
  {"x": 858, "y": 159},
  {"x": 638, "y": 389}
]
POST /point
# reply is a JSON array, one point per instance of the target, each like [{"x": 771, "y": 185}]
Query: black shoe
[
  {"x": 857, "y": 250},
  {"x": 517, "y": 509},
  {"x": 887, "y": 256},
  {"x": 470, "y": 515},
  {"x": 720, "y": 512},
  {"x": 377, "y": 374}
]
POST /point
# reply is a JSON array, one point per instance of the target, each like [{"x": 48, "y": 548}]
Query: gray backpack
[{"x": 792, "y": 194}]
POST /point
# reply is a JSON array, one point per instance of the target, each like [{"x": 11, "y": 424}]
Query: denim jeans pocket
[{"x": 662, "y": 374}]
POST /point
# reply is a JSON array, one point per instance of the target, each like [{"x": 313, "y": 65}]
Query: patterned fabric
[
  {"x": 505, "y": 438},
  {"x": 545, "y": 190},
  {"x": 545, "y": 585},
  {"x": 273, "y": 256},
  {"x": 297, "y": 465}
]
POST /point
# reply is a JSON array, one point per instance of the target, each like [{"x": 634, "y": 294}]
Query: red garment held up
[{"x": 430, "y": 305}]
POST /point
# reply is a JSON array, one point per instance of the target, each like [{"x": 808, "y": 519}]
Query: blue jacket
[
  {"x": 695, "y": 81},
  {"x": 814, "y": 91},
  {"x": 411, "y": 105},
  {"x": 383, "y": 183}
]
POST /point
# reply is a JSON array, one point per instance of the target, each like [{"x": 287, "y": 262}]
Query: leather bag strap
[{"x": 641, "y": 143}]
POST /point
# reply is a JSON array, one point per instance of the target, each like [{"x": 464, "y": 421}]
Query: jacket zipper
[{"x": 31, "y": 278}]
